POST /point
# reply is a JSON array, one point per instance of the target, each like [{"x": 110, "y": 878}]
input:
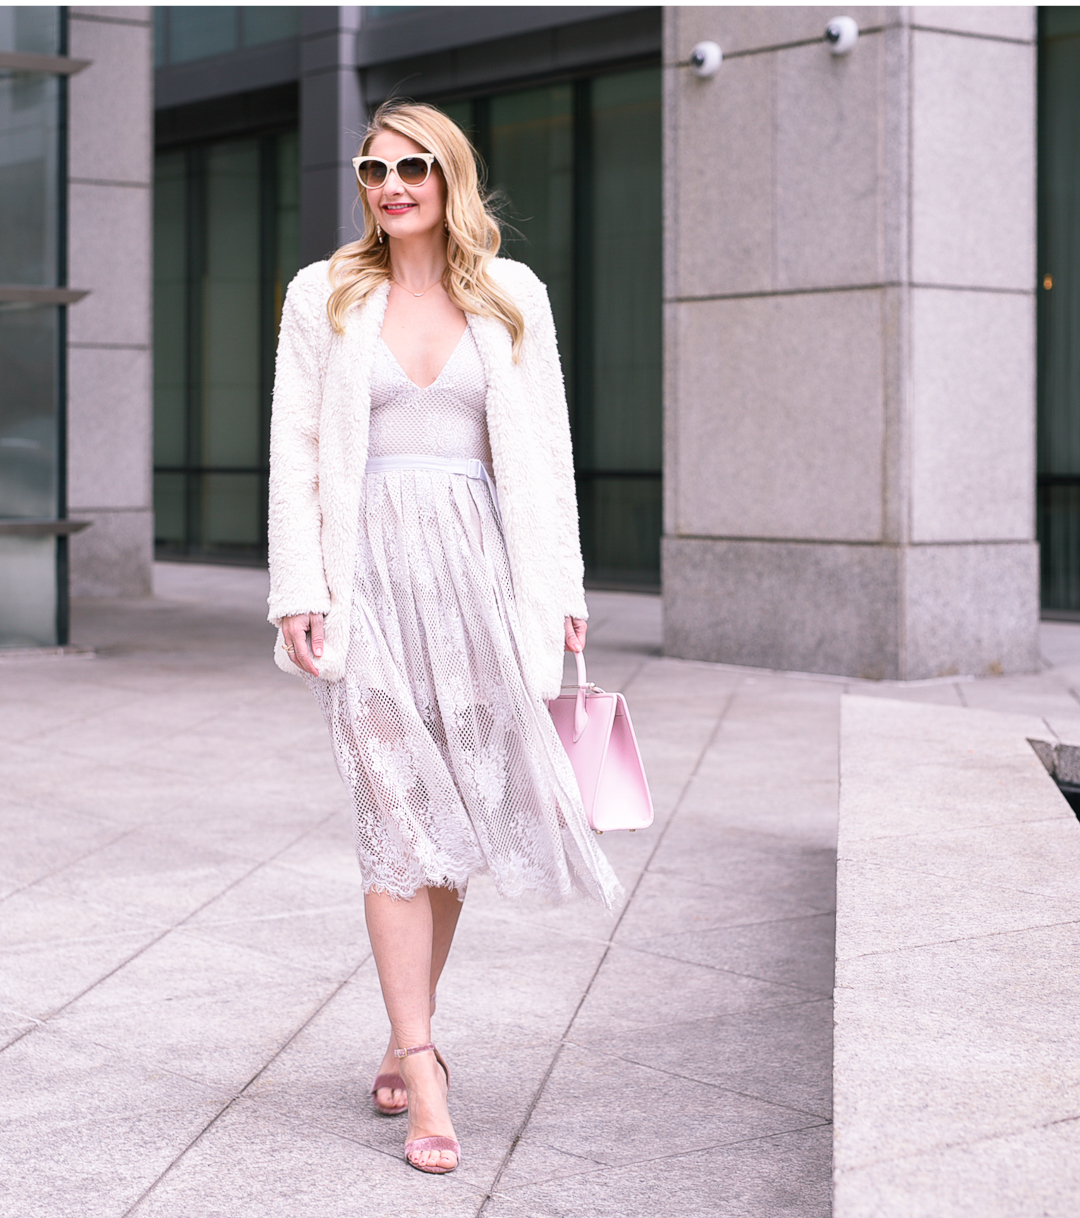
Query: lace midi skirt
[{"x": 455, "y": 770}]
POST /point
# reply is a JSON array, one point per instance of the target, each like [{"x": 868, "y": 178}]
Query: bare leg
[
  {"x": 445, "y": 911},
  {"x": 411, "y": 940}
]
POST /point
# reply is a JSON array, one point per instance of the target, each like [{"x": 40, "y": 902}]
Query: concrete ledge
[{"x": 957, "y": 1055}]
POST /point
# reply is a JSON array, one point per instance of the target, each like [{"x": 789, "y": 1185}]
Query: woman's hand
[
  {"x": 575, "y": 633},
  {"x": 296, "y": 630}
]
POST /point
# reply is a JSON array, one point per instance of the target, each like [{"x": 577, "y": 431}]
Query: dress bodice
[{"x": 445, "y": 419}]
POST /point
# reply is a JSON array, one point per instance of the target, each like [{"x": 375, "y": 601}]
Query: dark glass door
[
  {"x": 1059, "y": 307},
  {"x": 226, "y": 246},
  {"x": 33, "y": 549},
  {"x": 575, "y": 168}
]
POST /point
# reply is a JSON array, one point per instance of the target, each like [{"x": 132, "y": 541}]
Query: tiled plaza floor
[{"x": 188, "y": 1006}]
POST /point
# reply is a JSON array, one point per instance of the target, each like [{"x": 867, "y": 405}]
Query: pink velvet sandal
[{"x": 419, "y": 1145}]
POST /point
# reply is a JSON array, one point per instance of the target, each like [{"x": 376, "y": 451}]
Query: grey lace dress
[{"x": 455, "y": 769}]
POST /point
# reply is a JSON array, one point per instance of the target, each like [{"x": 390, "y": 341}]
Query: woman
[{"x": 426, "y": 572}]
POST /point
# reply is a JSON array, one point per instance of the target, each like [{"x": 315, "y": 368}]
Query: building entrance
[
  {"x": 575, "y": 160},
  {"x": 226, "y": 246},
  {"x": 575, "y": 171},
  {"x": 1059, "y": 308}
]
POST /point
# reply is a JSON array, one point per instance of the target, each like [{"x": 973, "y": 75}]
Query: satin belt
[{"x": 470, "y": 467}]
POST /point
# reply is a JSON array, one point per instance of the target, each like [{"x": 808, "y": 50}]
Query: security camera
[
  {"x": 705, "y": 59},
  {"x": 841, "y": 34}
]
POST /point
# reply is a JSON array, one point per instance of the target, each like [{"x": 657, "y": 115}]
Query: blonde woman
[{"x": 426, "y": 572}]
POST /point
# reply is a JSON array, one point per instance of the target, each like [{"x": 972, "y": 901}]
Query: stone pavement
[
  {"x": 189, "y": 1008},
  {"x": 956, "y": 1059}
]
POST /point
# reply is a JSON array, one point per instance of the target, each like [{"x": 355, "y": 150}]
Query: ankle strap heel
[
  {"x": 420, "y": 1145},
  {"x": 427, "y": 1049},
  {"x": 417, "y": 1049}
]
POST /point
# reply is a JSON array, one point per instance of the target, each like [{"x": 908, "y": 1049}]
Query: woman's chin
[{"x": 403, "y": 230}]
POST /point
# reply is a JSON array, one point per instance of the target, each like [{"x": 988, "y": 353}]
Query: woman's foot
[
  {"x": 388, "y": 1090},
  {"x": 430, "y": 1145},
  {"x": 391, "y": 1099}
]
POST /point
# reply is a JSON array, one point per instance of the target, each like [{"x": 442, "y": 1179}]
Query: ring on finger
[{"x": 289, "y": 648}]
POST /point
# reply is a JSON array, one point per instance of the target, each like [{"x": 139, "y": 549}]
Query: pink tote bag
[{"x": 599, "y": 739}]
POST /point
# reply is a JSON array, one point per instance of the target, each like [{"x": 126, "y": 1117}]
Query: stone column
[
  {"x": 332, "y": 116},
  {"x": 110, "y": 402},
  {"x": 849, "y": 342}
]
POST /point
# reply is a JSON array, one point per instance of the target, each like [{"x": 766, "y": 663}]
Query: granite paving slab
[{"x": 673, "y": 1058}]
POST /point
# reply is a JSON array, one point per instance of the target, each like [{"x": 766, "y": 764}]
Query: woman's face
[{"x": 406, "y": 211}]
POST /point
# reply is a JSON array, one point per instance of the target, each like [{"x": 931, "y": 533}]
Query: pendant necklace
[{"x": 416, "y": 294}]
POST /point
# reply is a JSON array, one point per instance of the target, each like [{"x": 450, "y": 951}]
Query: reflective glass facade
[
  {"x": 575, "y": 172},
  {"x": 1059, "y": 307},
  {"x": 183, "y": 33},
  {"x": 225, "y": 250},
  {"x": 33, "y": 30},
  {"x": 32, "y": 194},
  {"x": 575, "y": 166}
]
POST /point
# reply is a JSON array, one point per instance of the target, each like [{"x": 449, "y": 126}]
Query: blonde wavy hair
[{"x": 473, "y": 238}]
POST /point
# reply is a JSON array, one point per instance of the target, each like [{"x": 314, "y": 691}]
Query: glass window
[
  {"x": 183, "y": 33},
  {"x": 197, "y": 31},
  {"x": 161, "y": 35},
  {"x": 379, "y": 12},
  {"x": 31, "y": 198},
  {"x": 462, "y": 114},
  {"x": 28, "y": 604},
  {"x": 226, "y": 246},
  {"x": 1059, "y": 307},
  {"x": 29, "y": 177},
  {"x": 530, "y": 150},
  {"x": 286, "y": 219},
  {"x": 170, "y": 301},
  {"x": 576, "y": 169},
  {"x": 29, "y": 474},
  {"x": 263, "y": 24},
  {"x": 626, "y": 214},
  {"x": 619, "y": 421},
  {"x": 31, "y": 29},
  {"x": 230, "y": 306},
  {"x": 28, "y": 411}
]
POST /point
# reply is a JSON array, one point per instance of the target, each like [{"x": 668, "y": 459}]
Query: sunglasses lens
[
  {"x": 412, "y": 170},
  {"x": 371, "y": 173}
]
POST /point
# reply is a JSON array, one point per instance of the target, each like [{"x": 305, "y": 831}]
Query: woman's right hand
[{"x": 304, "y": 650}]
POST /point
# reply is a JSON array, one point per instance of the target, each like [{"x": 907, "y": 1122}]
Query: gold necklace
[{"x": 411, "y": 292}]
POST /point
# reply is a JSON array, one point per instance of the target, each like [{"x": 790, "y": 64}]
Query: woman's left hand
[{"x": 575, "y": 633}]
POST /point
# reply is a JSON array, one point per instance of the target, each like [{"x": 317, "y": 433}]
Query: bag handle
[{"x": 581, "y": 715}]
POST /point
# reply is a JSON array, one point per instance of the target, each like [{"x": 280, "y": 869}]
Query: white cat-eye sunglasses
[{"x": 412, "y": 170}]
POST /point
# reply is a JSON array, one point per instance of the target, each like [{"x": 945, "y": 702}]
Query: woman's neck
[{"x": 418, "y": 262}]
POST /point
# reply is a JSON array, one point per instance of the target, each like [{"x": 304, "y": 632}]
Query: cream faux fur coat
[{"x": 318, "y": 451}]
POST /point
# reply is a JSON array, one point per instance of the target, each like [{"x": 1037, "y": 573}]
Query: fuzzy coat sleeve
[
  {"x": 297, "y": 577},
  {"x": 540, "y": 362}
]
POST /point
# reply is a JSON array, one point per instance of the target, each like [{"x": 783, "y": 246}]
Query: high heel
[{"x": 419, "y": 1145}]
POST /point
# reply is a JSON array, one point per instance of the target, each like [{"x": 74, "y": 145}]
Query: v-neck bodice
[
  {"x": 444, "y": 419},
  {"x": 461, "y": 338}
]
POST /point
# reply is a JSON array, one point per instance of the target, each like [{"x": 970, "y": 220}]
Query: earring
[
  {"x": 379, "y": 231},
  {"x": 446, "y": 227}
]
